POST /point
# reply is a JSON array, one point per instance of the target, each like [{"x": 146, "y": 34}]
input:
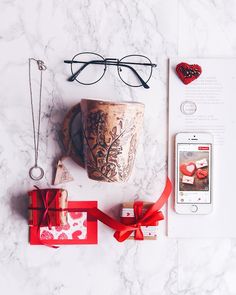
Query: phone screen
[{"x": 193, "y": 173}]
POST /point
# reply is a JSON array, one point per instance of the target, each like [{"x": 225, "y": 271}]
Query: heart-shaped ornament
[
  {"x": 188, "y": 168},
  {"x": 201, "y": 173},
  {"x": 187, "y": 73}
]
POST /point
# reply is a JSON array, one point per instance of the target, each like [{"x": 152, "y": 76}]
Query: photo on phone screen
[{"x": 194, "y": 171}]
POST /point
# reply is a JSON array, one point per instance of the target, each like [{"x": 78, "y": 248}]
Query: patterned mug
[{"x": 102, "y": 137}]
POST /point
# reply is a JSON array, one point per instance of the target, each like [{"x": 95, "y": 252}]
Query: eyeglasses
[{"x": 88, "y": 68}]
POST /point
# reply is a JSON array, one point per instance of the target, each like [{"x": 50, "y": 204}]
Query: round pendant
[{"x": 36, "y": 173}]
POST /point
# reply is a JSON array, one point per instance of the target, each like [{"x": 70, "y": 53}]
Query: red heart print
[
  {"x": 187, "y": 73},
  {"x": 76, "y": 215},
  {"x": 46, "y": 235},
  {"x": 63, "y": 236},
  {"x": 201, "y": 173},
  {"x": 188, "y": 168},
  {"x": 76, "y": 234},
  {"x": 62, "y": 227}
]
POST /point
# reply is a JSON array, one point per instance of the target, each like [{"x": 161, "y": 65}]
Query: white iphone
[{"x": 193, "y": 173}]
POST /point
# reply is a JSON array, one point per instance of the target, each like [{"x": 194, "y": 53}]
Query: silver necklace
[{"x": 36, "y": 172}]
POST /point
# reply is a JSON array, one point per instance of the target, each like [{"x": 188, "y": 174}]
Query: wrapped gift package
[
  {"x": 128, "y": 218},
  {"x": 52, "y": 200}
]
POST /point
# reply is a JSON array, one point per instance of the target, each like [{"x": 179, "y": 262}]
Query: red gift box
[
  {"x": 80, "y": 229},
  {"x": 47, "y": 207}
]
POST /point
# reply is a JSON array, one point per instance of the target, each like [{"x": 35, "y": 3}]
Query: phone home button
[{"x": 194, "y": 208}]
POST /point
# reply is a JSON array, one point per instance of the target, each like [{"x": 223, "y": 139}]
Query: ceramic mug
[{"x": 105, "y": 139}]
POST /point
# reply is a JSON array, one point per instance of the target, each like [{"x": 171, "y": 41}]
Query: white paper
[{"x": 213, "y": 95}]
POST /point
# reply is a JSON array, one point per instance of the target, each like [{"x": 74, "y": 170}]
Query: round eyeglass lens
[
  {"x": 89, "y": 66},
  {"x": 132, "y": 66}
]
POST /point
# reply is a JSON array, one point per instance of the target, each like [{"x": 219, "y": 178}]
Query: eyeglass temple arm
[
  {"x": 74, "y": 76},
  {"x": 144, "y": 84}
]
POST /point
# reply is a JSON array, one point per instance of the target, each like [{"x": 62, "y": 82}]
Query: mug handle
[{"x": 75, "y": 152}]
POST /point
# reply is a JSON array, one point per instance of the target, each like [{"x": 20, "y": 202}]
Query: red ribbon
[
  {"x": 47, "y": 201},
  {"x": 152, "y": 215}
]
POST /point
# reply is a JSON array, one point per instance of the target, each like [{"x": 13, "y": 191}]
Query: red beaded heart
[{"x": 187, "y": 73}]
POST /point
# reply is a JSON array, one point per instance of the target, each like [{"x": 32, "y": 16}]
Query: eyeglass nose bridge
[{"x": 111, "y": 59}]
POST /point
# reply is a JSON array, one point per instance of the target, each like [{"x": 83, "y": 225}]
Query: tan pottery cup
[{"x": 108, "y": 134}]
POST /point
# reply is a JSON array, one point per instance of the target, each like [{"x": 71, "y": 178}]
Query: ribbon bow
[
  {"x": 140, "y": 220},
  {"x": 46, "y": 203},
  {"x": 47, "y": 200}
]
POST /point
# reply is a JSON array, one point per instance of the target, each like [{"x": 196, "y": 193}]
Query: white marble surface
[{"x": 53, "y": 31}]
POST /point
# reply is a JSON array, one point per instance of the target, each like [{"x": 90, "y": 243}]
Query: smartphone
[{"x": 193, "y": 173}]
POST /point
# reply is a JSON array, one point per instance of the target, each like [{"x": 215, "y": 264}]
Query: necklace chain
[{"x": 36, "y": 132}]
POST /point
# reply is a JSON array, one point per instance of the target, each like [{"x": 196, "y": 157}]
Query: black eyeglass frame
[{"x": 110, "y": 61}]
